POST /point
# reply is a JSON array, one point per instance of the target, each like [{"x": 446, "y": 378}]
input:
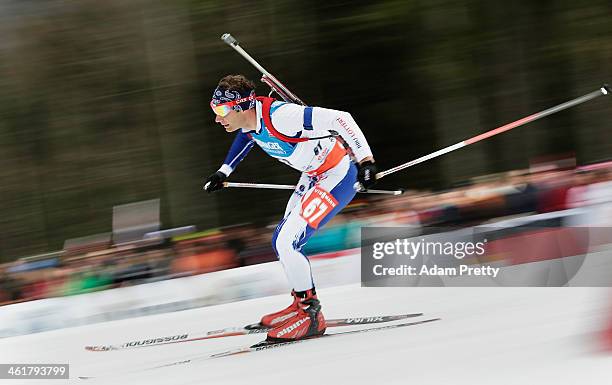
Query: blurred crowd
[{"x": 505, "y": 195}]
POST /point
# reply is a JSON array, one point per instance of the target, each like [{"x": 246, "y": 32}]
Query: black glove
[
  {"x": 215, "y": 182},
  {"x": 366, "y": 174}
]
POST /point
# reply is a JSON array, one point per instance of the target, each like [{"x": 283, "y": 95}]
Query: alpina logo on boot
[
  {"x": 292, "y": 327},
  {"x": 283, "y": 318}
]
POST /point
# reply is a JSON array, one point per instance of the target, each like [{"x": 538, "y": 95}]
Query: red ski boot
[
  {"x": 307, "y": 323},
  {"x": 281, "y": 316}
]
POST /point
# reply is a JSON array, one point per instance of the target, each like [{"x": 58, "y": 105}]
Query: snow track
[{"x": 486, "y": 336}]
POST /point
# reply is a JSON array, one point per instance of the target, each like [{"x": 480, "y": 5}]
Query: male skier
[{"x": 305, "y": 138}]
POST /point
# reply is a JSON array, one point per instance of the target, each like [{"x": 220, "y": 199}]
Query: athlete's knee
[
  {"x": 277, "y": 240},
  {"x": 282, "y": 241}
]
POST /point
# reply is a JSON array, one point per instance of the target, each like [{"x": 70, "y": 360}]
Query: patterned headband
[{"x": 222, "y": 95}]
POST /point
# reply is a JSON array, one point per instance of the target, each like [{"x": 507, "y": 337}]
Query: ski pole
[
  {"x": 267, "y": 78},
  {"x": 292, "y": 187},
  {"x": 604, "y": 90}
]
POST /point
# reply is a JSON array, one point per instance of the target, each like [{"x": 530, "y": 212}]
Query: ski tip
[{"x": 400, "y": 316}]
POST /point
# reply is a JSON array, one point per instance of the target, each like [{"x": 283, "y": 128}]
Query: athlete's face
[
  {"x": 231, "y": 122},
  {"x": 235, "y": 120}
]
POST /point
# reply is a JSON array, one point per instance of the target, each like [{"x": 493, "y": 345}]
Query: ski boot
[{"x": 308, "y": 322}]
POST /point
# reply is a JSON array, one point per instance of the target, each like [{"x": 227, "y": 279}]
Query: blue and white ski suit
[{"x": 328, "y": 174}]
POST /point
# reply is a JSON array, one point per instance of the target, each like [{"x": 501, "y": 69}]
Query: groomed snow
[{"x": 486, "y": 336}]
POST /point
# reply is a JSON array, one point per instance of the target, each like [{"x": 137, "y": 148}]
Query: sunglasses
[{"x": 224, "y": 109}]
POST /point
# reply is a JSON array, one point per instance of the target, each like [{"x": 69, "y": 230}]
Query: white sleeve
[
  {"x": 343, "y": 123},
  {"x": 289, "y": 120}
]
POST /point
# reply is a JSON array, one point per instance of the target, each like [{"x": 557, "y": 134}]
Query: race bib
[{"x": 318, "y": 204}]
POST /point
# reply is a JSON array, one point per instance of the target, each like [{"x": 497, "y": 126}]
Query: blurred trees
[{"x": 105, "y": 103}]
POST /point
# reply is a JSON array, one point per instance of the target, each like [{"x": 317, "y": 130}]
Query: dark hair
[{"x": 237, "y": 83}]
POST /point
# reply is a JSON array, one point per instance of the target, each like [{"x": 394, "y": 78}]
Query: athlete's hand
[
  {"x": 215, "y": 182},
  {"x": 366, "y": 174}
]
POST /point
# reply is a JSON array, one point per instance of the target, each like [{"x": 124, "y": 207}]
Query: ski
[
  {"x": 264, "y": 345},
  {"x": 269, "y": 345},
  {"x": 239, "y": 331}
]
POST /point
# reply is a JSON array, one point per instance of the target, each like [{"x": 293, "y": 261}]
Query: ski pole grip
[{"x": 229, "y": 39}]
